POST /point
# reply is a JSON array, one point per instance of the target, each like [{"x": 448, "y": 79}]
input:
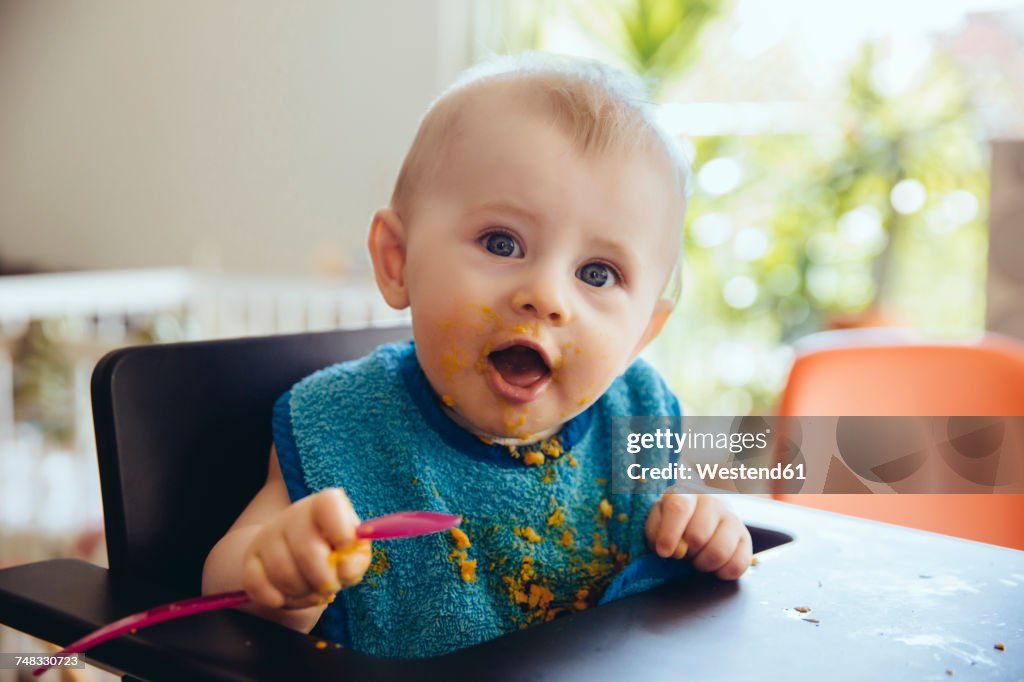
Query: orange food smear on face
[
  {"x": 451, "y": 363},
  {"x": 448, "y": 400},
  {"x": 489, "y": 317}
]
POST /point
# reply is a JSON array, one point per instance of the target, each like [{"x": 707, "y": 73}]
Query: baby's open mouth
[{"x": 520, "y": 365}]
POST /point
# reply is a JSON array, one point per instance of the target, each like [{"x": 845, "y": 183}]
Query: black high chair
[{"x": 183, "y": 436}]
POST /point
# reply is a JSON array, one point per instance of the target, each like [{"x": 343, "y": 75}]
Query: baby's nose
[{"x": 543, "y": 299}]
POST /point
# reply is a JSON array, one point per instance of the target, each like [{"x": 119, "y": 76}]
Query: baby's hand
[
  {"x": 306, "y": 553},
  {"x": 700, "y": 527}
]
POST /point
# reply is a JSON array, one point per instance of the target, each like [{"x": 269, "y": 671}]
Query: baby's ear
[
  {"x": 387, "y": 250},
  {"x": 662, "y": 309}
]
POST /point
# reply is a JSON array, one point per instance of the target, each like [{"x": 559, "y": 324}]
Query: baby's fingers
[
  {"x": 673, "y": 515},
  {"x": 256, "y": 584},
  {"x": 719, "y": 549},
  {"x": 334, "y": 517},
  {"x": 279, "y": 562},
  {"x": 311, "y": 556},
  {"x": 740, "y": 560},
  {"x": 351, "y": 562}
]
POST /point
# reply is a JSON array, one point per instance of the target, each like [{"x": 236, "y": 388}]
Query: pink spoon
[{"x": 388, "y": 527}]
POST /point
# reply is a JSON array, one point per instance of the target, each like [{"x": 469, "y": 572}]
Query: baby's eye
[
  {"x": 502, "y": 244},
  {"x": 598, "y": 275}
]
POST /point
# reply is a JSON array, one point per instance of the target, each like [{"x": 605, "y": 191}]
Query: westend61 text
[{"x": 717, "y": 472}]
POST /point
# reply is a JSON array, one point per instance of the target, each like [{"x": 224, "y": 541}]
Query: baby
[{"x": 533, "y": 232}]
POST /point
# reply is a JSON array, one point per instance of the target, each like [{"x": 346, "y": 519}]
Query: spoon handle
[{"x": 387, "y": 527}]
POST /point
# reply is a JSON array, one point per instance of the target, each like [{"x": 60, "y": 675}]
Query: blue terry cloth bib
[{"x": 544, "y": 540}]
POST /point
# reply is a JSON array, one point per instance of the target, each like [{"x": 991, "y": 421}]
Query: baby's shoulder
[{"x": 641, "y": 390}]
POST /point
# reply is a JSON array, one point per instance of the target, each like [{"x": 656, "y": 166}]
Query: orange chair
[{"x": 881, "y": 372}]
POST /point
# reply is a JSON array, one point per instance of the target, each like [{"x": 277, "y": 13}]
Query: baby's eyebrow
[
  {"x": 618, "y": 251},
  {"x": 506, "y": 207}
]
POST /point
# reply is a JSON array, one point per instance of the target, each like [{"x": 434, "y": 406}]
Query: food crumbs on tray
[
  {"x": 802, "y": 609},
  {"x": 1000, "y": 647},
  {"x": 321, "y": 644},
  {"x": 754, "y": 561},
  {"x": 461, "y": 539},
  {"x": 812, "y": 620},
  {"x": 605, "y": 507},
  {"x": 949, "y": 671}
]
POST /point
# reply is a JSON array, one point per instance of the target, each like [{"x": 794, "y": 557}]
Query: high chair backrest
[{"x": 183, "y": 438}]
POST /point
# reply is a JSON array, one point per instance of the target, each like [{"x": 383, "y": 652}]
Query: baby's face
[{"x": 533, "y": 271}]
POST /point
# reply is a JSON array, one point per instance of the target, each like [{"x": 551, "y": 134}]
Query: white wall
[{"x": 247, "y": 134}]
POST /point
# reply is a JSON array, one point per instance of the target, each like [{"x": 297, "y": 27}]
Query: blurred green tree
[{"x": 876, "y": 217}]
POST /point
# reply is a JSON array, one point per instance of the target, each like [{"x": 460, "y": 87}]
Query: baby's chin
[{"x": 511, "y": 428}]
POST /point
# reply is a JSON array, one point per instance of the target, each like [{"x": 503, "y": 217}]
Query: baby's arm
[
  {"x": 702, "y": 528},
  {"x": 281, "y": 553}
]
